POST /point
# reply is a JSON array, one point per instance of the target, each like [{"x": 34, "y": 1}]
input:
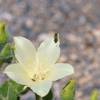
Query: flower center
[{"x": 40, "y": 75}]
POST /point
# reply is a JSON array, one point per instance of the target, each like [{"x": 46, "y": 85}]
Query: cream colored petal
[
  {"x": 49, "y": 51},
  {"x": 16, "y": 73},
  {"x": 60, "y": 70},
  {"x": 41, "y": 88},
  {"x": 25, "y": 52}
]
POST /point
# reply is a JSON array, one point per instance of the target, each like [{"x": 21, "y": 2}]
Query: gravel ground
[{"x": 77, "y": 21}]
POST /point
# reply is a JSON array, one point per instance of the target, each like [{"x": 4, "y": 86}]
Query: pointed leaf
[
  {"x": 6, "y": 54},
  {"x": 68, "y": 92},
  {"x": 94, "y": 95},
  {"x": 10, "y": 90},
  {"x": 3, "y": 34}
]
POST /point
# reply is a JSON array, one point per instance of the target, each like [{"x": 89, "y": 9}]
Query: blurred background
[{"x": 78, "y": 23}]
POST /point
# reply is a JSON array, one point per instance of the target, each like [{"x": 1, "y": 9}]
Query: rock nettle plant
[{"x": 33, "y": 69}]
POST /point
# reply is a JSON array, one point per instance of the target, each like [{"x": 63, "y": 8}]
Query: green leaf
[
  {"x": 10, "y": 90},
  {"x": 49, "y": 96},
  {"x": 6, "y": 54},
  {"x": 68, "y": 92},
  {"x": 3, "y": 34},
  {"x": 94, "y": 95}
]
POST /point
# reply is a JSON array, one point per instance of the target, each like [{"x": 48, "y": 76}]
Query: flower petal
[
  {"x": 49, "y": 51},
  {"x": 16, "y": 73},
  {"x": 41, "y": 88},
  {"x": 25, "y": 52},
  {"x": 61, "y": 70}
]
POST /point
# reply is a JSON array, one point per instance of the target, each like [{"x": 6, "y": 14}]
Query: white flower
[{"x": 37, "y": 69}]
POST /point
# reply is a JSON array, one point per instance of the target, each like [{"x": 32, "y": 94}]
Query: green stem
[
  {"x": 22, "y": 93},
  {"x": 38, "y": 97}
]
